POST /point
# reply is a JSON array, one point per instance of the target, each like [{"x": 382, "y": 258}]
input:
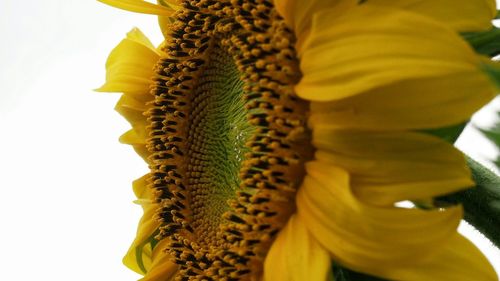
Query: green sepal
[
  {"x": 485, "y": 42},
  {"x": 482, "y": 203}
]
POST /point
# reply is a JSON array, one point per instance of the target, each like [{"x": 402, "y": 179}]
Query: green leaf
[
  {"x": 485, "y": 42},
  {"x": 482, "y": 203}
]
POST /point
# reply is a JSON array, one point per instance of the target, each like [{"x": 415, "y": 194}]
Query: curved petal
[
  {"x": 386, "y": 168},
  {"x": 132, "y": 110},
  {"x": 129, "y": 67},
  {"x": 137, "y": 36},
  {"x": 460, "y": 15},
  {"x": 132, "y": 137},
  {"x": 163, "y": 268},
  {"x": 459, "y": 260},
  {"x": 137, "y": 139},
  {"x": 129, "y": 70},
  {"x": 173, "y": 4},
  {"x": 295, "y": 255},
  {"x": 382, "y": 241},
  {"x": 139, "y": 255},
  {"x": 143, "y": 152},
  {"x": 356, "y": 233},
  {"x": 140, "y": 6},
  {"x": 432, "y": 102},
  {"x": 165, "y": 22},
  {"x": 374, "y": 46},
  {"x": 298, "y": 14}
]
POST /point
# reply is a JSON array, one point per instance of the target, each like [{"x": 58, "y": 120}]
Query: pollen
[{"x": 228, "y": 137}]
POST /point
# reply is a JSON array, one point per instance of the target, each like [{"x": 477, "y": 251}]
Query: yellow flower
[{"x": 281, "y": 134}]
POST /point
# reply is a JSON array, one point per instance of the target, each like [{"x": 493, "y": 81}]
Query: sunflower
[{"x": 281, "y": 135}]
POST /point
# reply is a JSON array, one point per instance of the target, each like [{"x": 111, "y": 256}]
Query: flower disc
[{"x": 227, "y": 137}]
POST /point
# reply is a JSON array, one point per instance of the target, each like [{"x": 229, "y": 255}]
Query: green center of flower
[{"x": 218, "y": 131}]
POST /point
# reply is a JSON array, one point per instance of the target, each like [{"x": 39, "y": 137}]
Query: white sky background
[{"x": 66, "y": 211}]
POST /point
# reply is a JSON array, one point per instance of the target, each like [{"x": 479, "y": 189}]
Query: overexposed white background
[{"x": 65, "y": 181}]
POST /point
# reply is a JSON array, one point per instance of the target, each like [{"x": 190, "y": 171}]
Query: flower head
[{"x": 281, "y": 134}]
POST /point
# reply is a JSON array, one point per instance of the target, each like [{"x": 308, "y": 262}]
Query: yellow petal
[
  {"x": 129, "y": 67},
  {"x": 162, "y": 268},
  {"x": 133, "y": 137},
  {"x": 298, "y": 13},
  {"x": 461, "y": 15},
  {"x": 410, "y": 104},
  {"x": 132, "y": 109},
  {"x": 129, "y": 102},
  {"x": 141, "y": 190},
  {"x": 137, "y": 137},
  {"x": 459, "y": 260},
  {"x": 139, "y": 255},
  {"x": 386, "y": 168},
  {"x": 295, "y": 255},
  {"x": 165, "y": 22},
  {"x": 142, "y": 151},
  {"x": 140, "y": 6},
  {"x": 371, "y": 46},
  {"x": 370, "y": 239},
  {"x": 173, "y": 4},
  {"x": 146, "y": 255},
  {"x": 136, "y": 35},
  {"x": 129, "y": 70}
]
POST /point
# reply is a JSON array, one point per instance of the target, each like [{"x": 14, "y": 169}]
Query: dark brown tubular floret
[{"x": 226, "y": 236}]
